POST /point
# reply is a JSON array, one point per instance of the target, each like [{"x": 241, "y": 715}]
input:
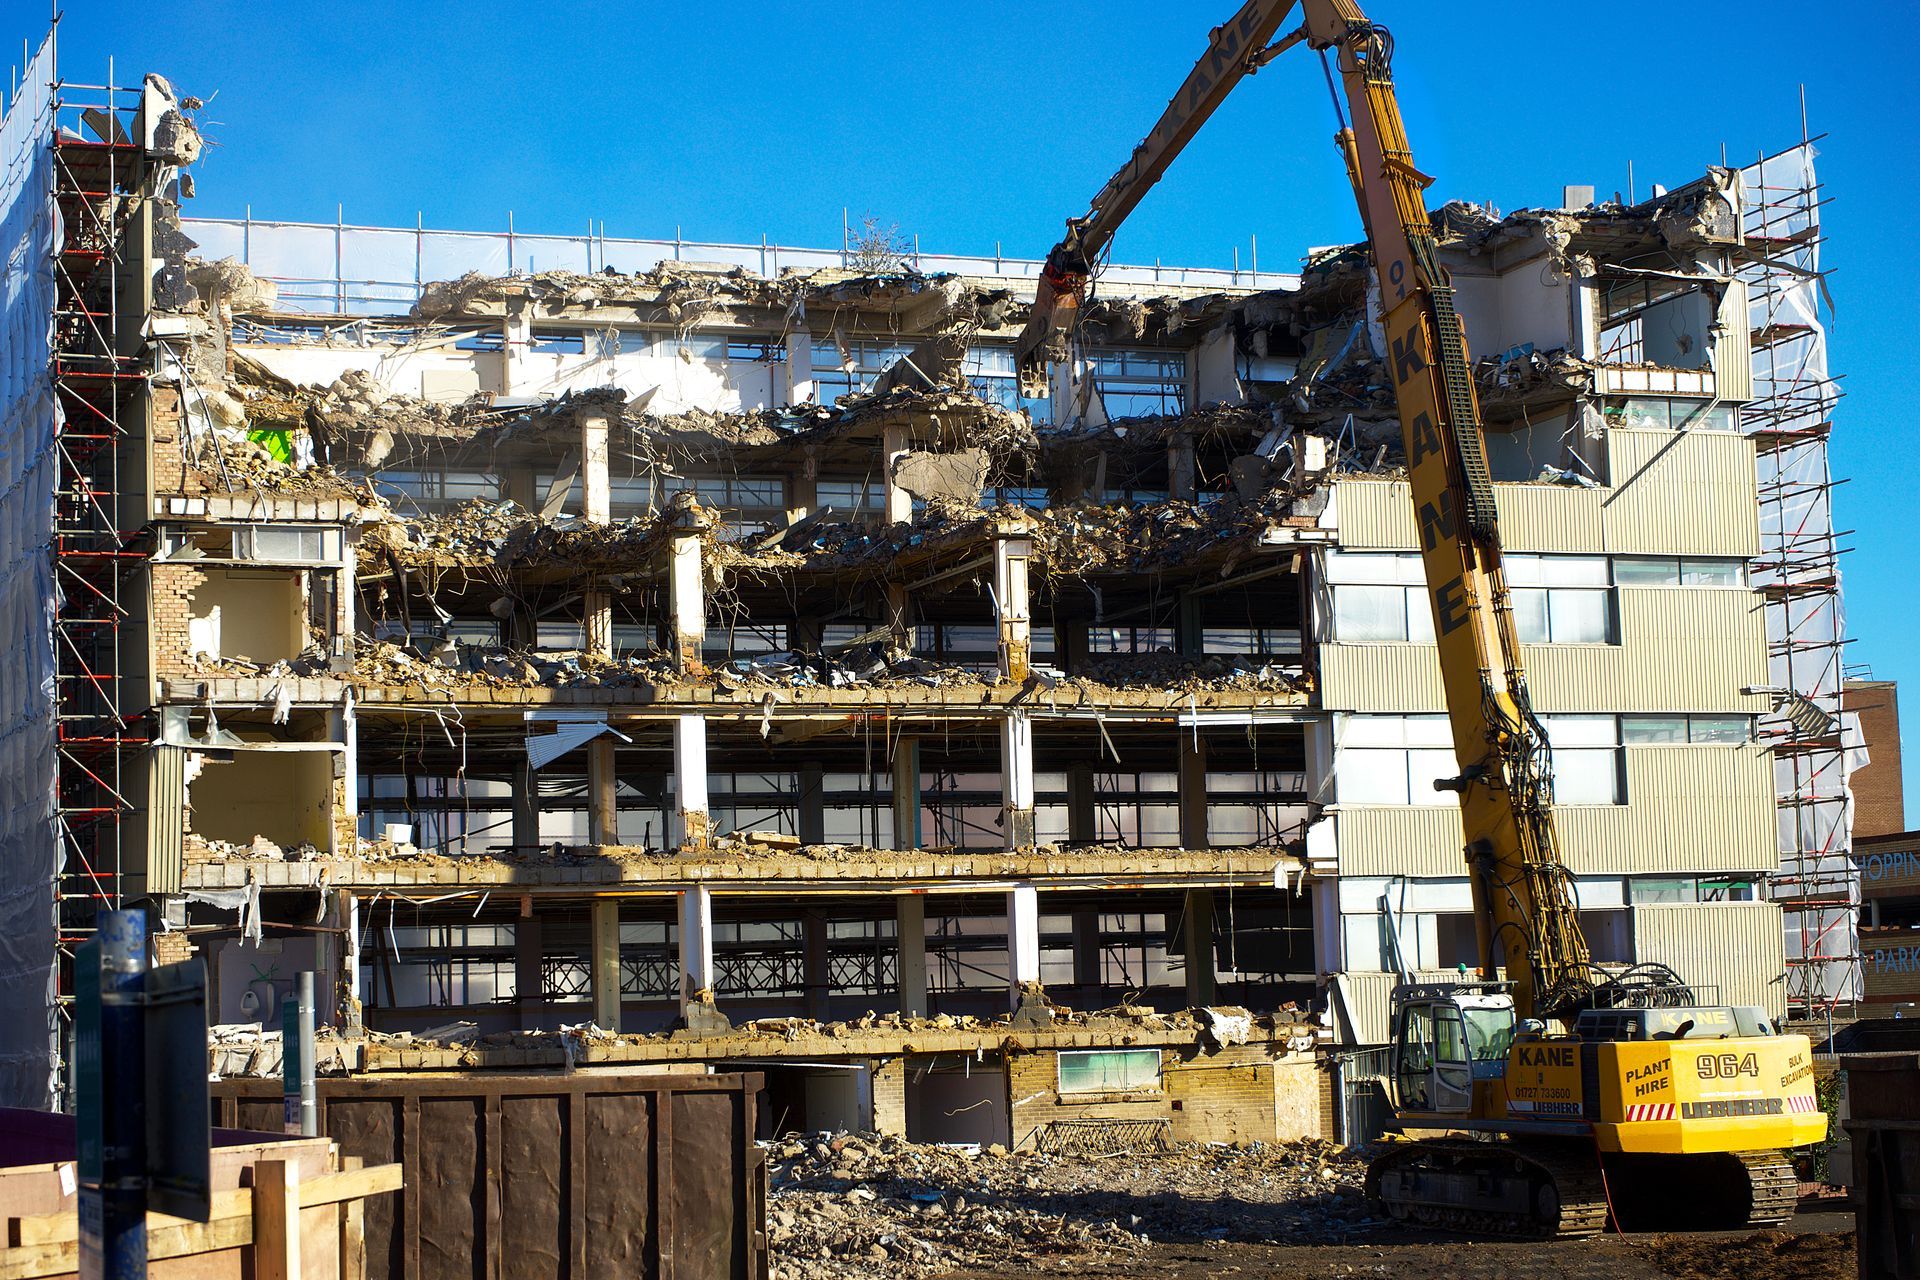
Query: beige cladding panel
[
  {"x": 1687, "y": 493},
  {"x": 1737, "y": 947},
  {"x": 1690, "y": 810},
  {"x": 1682, "y": 649},
  {"x": 1684, "y": 493}
]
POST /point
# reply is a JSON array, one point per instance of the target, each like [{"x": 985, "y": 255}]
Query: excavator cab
[{"x": 1445, "y": 1037}]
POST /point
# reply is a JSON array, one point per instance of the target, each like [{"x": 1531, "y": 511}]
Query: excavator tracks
[
  {"x": 1517, "y": 1187},
  {"x": 1774, "y": 1188},
  {"x": 1711, "y": 1191}
]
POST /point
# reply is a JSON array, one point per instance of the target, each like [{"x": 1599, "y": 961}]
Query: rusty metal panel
[
  {"x": 535, "y": 1226},
  {"x": 620, "y": 1174},
  {"x": 453, "y": 1219},
  {"x": 707, "y": 1187},
  {"x": 370, "y": 1128},
  {"x": 571, "y": 1177}
]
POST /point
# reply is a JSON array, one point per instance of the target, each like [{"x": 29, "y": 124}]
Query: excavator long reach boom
[{"x": 1523, "y": 908}]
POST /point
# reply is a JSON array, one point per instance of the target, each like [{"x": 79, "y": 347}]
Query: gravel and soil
[{"x": 845, "y": 1206}]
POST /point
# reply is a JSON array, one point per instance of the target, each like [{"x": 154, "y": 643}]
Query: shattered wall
[{"x": 29, "y": 241}]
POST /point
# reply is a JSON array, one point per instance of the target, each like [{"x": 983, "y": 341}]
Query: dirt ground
[
  {"x": 855, "y": 1206},
  {"x": 1812, "y": 1247}
]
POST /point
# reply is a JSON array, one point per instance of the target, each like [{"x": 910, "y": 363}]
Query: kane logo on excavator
[
  {"x": 1408, "y": 358},
  {"x": 1425, "y": 439},
  {"x": 1545, "y": 1055}
]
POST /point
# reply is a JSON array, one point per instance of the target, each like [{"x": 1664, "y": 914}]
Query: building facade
[{"x": 619, "y": 651}]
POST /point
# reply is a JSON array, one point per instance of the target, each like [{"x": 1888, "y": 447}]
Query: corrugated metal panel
[
  {"x": 1733, "y": 353},
  {"x": 1674, "y": 493},
  {"x": 1361, "y": 1003},
  {"x": 1682, "y": 649},
  {"x": 1736, "y": 946},
  {"x": 166, "y": 818},
  {"x": 1681, "y": 493},
  {"x": 1413, "y": 841},
  {"x": 1688, "y": 810}
]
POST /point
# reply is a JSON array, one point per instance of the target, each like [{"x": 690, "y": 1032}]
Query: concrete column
[
  {"x": 697, "y": 974},
  {"x": 813, "y": 805},
  {"x": 517, "y": 336},
  {"x": 1082, "y": 824},
  {"x": 893, "y": 443},
  {"x": 1016, "y": 771},
  {"x": 597, "y": 508},
  {"x": 529, "y": 977},
  {"x": 603, "y": 813},
  {"x": 1193, "y": 790},
  {"x": 1198, "y": 938},
  {"x": 690, "y": 780},
  {"x": 1012, "y": 549},
  {"x": 1060, "y": 393},
  {"x": 800, "y": 385},
  {"x": 526, "y": 806},
  {"x": 1074, "y": 646},
  {"x": 606, "y": 963},
  {"x": 910, "y": 936},
  {"x": 687, "y": 598},
  {"x": 1190, "y": 635},
  {"x": 906, "y": 793},
  {"x": 803, "y": 491},
  {"x": 1086, "y": 948},
  {"x": 1183, "y": 469},
  {"x": 815, "y": 965},
  {"x": 595, "y": 485},
  {"x": 1023, "y": 944}
]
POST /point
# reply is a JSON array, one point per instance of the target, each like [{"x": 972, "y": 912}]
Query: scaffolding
[
  {"x": 1798, "y": 574},
  {"x": 100, "y": 380}
]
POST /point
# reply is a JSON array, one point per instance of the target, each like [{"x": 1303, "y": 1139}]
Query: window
[
  {"x": 1109, "y": 1070},
  {"x": 1378, "y": 596},
  {"x": 1254, "y": 642},
  {"x": 293, "y": 544},
  {"x": 756, "y": 349},
  {"x": 1588, "y": 765},
  {"x": 1648, "y": 889},
  {"x": 756, "y": 494},
  {"x": 1653, "y": 731},
  {"x": 626, "y": 495},
  {"x": 565, "y": 342},
  {"x": 1722, "y": 890},
  {"x": 430, "y": 490},
  {"x": 1135, "y": 382},
  {"x": 481, "y": 340},
  {"x": 990, "y": 371},
  {"x": 852, "y": 497},
  {"x": 1129, "y": 639},
  {"x": 1665, "y": 413},
  {"x": 607, "y": 343},
  {"x": 1393, "y": 759},
  {"x": 1679, "y": 571},
  {"x": 1561, "y": 599},
  {"x": 838, "y": 372}
]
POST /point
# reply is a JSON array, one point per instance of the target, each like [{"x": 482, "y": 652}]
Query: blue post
[{"x": 110, "y": 1065}]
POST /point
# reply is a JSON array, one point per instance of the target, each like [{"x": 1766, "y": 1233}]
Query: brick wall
[
  {"x": 171, "y": 475},
  {"x": 1236, "y": 1095},
  {"x": 890, "y": 1096},
  {"x": 1879, "y": 803},
  {"x": 170, "y": 603}
]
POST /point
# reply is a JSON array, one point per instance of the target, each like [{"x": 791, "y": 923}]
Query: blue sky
[{"x": 971, "y": 125}]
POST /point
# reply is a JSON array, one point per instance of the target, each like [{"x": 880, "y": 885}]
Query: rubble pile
[
  {"x": 845, "y": 1206},
  {"x": 1209, "y": 671}
]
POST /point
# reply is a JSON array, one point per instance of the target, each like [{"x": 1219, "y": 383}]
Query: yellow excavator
[{"x": 1560, "y": 1095}]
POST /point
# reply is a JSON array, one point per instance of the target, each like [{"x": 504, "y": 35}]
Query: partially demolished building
[{"x": 686, "y": 656}]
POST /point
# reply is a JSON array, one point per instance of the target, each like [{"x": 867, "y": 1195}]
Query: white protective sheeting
[
  {"x": 1794, "y": 398},
  {"x": 29, "y": 419}
]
